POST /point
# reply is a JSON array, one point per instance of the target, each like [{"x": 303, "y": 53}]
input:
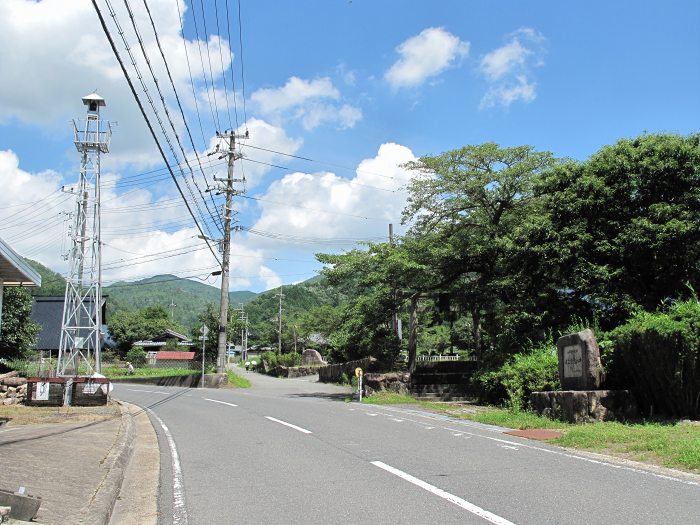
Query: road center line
[
  {"x": 478, "y": 511},
  {"x": 222, "y": 402},
  {"x": 179, "y": 508},
  {"x": 289, "y": 425}
]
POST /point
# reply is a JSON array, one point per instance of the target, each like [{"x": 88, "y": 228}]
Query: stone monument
[
  {"x": 311, "y": 357},
  {"x": 581, "y": 375},
  {"x": 579, "y": 361}
]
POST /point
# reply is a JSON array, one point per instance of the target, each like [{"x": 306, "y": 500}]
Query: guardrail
[{"x": 432, "y": 358}]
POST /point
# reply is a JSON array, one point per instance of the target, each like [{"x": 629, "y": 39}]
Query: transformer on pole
[{"x": 81, "y": 335}]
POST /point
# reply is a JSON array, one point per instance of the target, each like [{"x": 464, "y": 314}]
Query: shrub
[
  {"x": 136, "y": 356},
  {"x": 524, "y": 373},
  {"x": 657, "y": 355},
  {"x": 289, "y": 360},
  {"x": 268, "y": 361}
]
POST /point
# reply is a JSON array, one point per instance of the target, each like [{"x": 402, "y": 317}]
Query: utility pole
[
  {"x": 243, "y": 318},
  {"x": 232, "y": 155},
  {"x": 172, "y": 307},
  {"x": 279, "y": 317}
]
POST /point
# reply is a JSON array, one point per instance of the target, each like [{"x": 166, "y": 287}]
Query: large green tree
[
  {"x": 466, "y": 206},
  {"x": 18, "y": 332},
  {"x": 127, "y": 327},
  {"x": 622, "y": 230}
]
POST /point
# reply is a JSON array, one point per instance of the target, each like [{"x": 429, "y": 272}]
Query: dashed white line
[
  {"x": 372, "y": 414},
  {"x": 508, "y": 446},
  {"x": 149, "y": 391},
  {"x": 397, "y": 420},
  {"x": 222, "y": 402},
  {"x": 179, "y": 508},
  {"x": 478, "y": 511},
  {"x": 303, "y": 430}
]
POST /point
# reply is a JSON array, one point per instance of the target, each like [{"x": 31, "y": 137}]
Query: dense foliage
[
  {"x": 127, "y": 327},
  {"x": 17, "y": 331},
  {"x": 658, "y": 356},
  {"x": 524, "y": 373}
]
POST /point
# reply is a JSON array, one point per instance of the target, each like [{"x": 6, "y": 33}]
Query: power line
[
  {"x": 162, "y": 99},
  {"x": 215, "y": 115},
  {"x": 184, "y": 119},
  {"x": 143, "y": 113}
]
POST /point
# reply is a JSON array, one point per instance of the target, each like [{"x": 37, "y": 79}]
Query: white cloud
[
  {"x": 310, "y": 102},
  {"x": 270, "y": 278},
  {"x": 294, "y": 93},
  {"x": 502, "y": 60},
  {"x": 65, "y": 55},
  {"x": 328, "y": 207},
  {"x": 509, "y": 69},
  {"x": 425, "y": 55},
  {"x": 506, "y": 94}
]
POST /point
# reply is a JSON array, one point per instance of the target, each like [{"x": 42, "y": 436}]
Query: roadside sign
[
  {"x": 358, "y": 372},
  {"x": 204, "y": 330}
]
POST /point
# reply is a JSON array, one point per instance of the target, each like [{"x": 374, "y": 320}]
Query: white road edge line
[
  {"x": 179, "y": 508},
  {"x": 555, "y": 452},
  {"x": 222, "y": 402},
  {"x": 289, "y": 425},
  {"x": 478, "y": 511}
]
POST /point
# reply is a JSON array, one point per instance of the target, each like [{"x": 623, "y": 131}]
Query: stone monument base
[{"x": 579, "y": 406}]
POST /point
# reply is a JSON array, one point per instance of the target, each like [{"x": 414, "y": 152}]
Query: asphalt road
[{"x": 294, "y": 452}]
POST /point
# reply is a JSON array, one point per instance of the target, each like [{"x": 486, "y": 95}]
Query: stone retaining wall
[
  {"x": 578, "y": 406},
  {"x": 334, "y": 373},
  {"x": 397, "y": 382}
]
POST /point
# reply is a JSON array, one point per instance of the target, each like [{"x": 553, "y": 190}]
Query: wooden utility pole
[{"x": 232, "y": 156}]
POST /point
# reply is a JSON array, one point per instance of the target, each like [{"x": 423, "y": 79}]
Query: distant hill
[
  {"x": 298, "y": 299},
  {"x": 190, "y": 297},
  {"x": 51, "y": 282}
]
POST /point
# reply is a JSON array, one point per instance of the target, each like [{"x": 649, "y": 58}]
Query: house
[
  {"x": 171, "y": 359},
  {"x": 157, "y": 358},
  {"x": 47, "y": 312},
  {"x": 162, "y": 339}
]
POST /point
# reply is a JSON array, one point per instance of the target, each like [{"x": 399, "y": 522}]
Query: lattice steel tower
[{"x": 81, "y": 338}]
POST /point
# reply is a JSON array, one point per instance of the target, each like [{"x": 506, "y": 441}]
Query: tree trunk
[
  {"x": 412, "y": 333},
  {"x": 476, "y": 331}
]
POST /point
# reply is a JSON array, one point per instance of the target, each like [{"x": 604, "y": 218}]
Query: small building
[
  {"x": 162, "y": 340},
  {"x": 47, "y": 312},
  {"x": 157, "y": 358},
  {"x": 172, "y": 359}
]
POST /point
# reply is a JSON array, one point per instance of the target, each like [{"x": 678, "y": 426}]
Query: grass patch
[
  {"x": 385, "y": 397},
  {"x": 671, "y": 444},
  {"x": 26, "y": 415},
  {"x": 236, "y": 381},
  {"x": 115, "y": 372}
]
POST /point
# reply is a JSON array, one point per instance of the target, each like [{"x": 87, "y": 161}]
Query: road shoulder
[{"x": 138, "y": 499}]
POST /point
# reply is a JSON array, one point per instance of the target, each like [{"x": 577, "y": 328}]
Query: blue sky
[{"x": 359, "y": 87}]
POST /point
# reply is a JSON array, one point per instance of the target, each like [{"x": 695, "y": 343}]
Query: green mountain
[
  {"x": 51, "y": 282},
  {"x": 189, "y": 297},
  {"x": 297, "y": 300}
]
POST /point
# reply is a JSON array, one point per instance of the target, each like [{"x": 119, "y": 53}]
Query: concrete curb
[{"x": 99, "y": 509}]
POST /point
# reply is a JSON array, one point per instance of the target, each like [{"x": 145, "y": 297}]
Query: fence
[{"x": 431, "y": 358}]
